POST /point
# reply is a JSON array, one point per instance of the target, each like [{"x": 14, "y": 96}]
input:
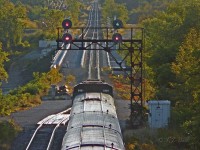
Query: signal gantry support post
[{"x": 133, "y": 47}]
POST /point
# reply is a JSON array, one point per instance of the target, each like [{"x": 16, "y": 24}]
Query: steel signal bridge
[{"x": 132, "y": 45}]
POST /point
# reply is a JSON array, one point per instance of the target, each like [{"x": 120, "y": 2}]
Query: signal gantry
[{"x": 132, "y": 45}]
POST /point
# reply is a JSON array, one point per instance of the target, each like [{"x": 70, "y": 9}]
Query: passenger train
[{"x": 93, "y": 123}]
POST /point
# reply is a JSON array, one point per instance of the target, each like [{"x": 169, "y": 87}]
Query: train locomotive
[{"x": 93, "y": 123}]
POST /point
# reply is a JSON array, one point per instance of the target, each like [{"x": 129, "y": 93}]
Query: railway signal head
[
  {"x": 67, "y": 38},
  {"x": 117, "y": 38},
  {"x": 117, "y": 24},
  {"x": 66, "y": 24}
]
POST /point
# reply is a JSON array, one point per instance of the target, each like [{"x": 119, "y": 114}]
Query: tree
[
  {"x": 12, "y": 23},
  {"x": 165, "y": 31},
  {"x": 52, "y": 19},
  {"x": 187, "y": 67},
  {"x": 70, "y": 80},
  {"x": 30, "y": 2},
  {"x": 54, "y": 76},
  {"x": 73, "y": 10},
  {"x": 161, "y": 48},
  {"x": 3, "y": 58},
  {"x": 118, "y": 10},
  {"x": 187, "y": 71}
]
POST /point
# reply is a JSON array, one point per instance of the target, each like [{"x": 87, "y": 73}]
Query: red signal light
[
  {"x": 117, "y": 38},
  {"x": 67, "y": 38},
  {"x": 66, "y": 24}
]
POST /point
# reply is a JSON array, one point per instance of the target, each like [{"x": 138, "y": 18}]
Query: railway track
[
  {"x": 48, "y": 130},
  {"x": 60, "y": 55},
  {"x": 90, "y": 59},
  {"x": 93, "y": 64},
  {"x": 89, "y": 22},
  {"x": 49, "y": 136},
  {"x": 85, "y": 33}
]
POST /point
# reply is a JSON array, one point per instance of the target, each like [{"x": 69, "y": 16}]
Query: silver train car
[{"x": 93, "y": 123}]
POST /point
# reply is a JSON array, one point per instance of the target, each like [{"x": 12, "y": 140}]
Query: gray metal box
[{"x": 159, "y": 113}]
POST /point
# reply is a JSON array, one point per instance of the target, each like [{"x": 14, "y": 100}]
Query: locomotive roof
[
  {"x": 93, "y": 124},
  {"x": 92, "y": 138},
  {"x": 88, "y": 82},
  {"x": 91, "y": 86},
  {"x": 95, "y": 101}
]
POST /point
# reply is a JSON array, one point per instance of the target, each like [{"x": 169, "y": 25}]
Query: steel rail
[
  {"x": 87, "y": 28},
  {"x": 97, "y": 47},
  {"x": 34, "y": 134},
  {"x": 53, "y": 132},
  {"x": 91, "y": 54}
]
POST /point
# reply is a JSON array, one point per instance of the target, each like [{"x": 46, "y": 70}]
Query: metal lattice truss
[{"x": 132, "y": 47}]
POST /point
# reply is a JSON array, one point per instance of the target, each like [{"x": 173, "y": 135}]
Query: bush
[
  {"x": 8, "y": 130},
  {"x": 29, "y": 95}
]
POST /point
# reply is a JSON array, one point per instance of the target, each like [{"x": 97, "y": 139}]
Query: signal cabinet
[{"x": 159, "y": 113}]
